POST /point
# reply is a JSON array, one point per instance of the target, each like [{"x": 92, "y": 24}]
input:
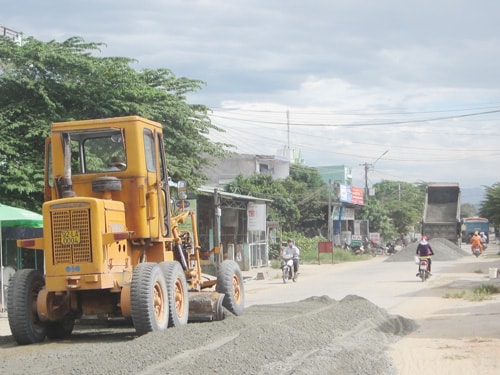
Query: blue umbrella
[{"x": 15, "y": 217}]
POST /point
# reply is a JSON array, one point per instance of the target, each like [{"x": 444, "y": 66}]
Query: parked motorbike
[
  {"x": 355, "y": 249},
  {"x": 287, "y": 268},
  {"x": 378, "y": 249},
  {"x": 423, "y": 268},
  {"x": 391, "y": 248}
]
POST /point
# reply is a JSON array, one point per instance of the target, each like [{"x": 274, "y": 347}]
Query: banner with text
[{"x": 351, "y": 194}]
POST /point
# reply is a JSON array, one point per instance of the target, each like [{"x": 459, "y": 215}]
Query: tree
[
  {"x": 490, "y": 207},
  {"x": 378, "y": 217},
  {"x": 297, "y": 201},
  {"x": 41, "y": 83},
  {"x": 309, "y": 193},
  {"x": 395, "y": 208}
]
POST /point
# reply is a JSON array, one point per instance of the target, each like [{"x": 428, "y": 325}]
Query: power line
[{"x": 360, "y": 124}]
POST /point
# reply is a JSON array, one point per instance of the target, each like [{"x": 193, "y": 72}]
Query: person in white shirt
[{"x": 294, "y": 251}]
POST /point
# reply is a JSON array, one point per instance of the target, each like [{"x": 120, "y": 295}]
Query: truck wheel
[
  {"x": 230, "y": 283},
  {"x": 61, "y": 329},
  {"x": 148, "y": 299},
  {"x": 26, "y": 326},
  {"x": 178, "y": 299}
]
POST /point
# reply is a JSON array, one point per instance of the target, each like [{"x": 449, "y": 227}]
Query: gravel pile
[
  {"x": 318, "y": 335},
  {"x": 444, "y": 250}
]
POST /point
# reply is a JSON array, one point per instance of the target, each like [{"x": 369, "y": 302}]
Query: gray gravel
[
  {"x": 318, "y": 335},
  {"x": 444, "y": 250}
]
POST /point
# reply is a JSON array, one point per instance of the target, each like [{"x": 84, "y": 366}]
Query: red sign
[{"x": 357, "y": 195}]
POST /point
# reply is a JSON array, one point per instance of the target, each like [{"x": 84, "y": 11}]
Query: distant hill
[{"x": 472, "y": 195}]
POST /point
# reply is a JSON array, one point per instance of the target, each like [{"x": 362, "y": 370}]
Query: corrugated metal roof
[{"x": 209, "y": 190}]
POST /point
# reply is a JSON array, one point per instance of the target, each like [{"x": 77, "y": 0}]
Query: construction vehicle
[
  {"x": 442, "y": 212},
  {"x": 114, "y": 242}
]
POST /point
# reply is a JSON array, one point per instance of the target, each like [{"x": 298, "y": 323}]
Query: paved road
[{"x": 386, "y": 284}]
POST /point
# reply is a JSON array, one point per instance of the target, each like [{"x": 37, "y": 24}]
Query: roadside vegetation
[{"x": 479, "y": 293}]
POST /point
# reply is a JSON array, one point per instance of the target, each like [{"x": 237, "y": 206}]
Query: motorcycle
[
  {"x": 423, "y": 268},
  {"x": 378, "y": 249},
  {"x": 476, "y": 251},
  {"x": 287, "y": 268},
  {"x": 353, "y": 248},
  {"x": 392, "y": 249}
]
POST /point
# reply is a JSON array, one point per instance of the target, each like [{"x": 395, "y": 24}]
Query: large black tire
[
  {"x": 230, "y": 283},
  {"x": 177, "y": 290},
  {"x": 61, "y": 329},
  {"x": 25, "y": 325},
  {"x": 148, "y": 299}
]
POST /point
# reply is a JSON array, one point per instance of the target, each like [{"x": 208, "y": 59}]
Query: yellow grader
[{"x": 114, "y": 244}]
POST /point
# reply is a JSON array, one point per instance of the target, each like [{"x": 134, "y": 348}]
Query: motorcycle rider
[
  {"x": 424, "y": 249},
  {"x": 475, "y": 242},
  {"x": 484, "y": 240},
  {"x": 294, "y": 251}
]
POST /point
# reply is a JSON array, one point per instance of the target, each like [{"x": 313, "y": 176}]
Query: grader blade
[{"x": 205, "y": 306}]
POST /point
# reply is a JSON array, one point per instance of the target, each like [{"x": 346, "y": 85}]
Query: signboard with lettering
[
  {"x": 351, "y": 194},
  {"x": 256, "y": 216}
]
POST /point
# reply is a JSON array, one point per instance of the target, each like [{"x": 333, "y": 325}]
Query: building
[
  {"x": 246, "y": 165},
  {"x": 342, "y": 223},
  {"x": 238, "y": 222}
]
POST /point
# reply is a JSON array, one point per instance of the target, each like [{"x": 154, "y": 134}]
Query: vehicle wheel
[
  {"x": 285, "y": 275},
  {"x": 25, "y": 325},
  {"x": 230, "y": 283},
  {"x": 61, "y": 329},
  {"x": 148, "y": 299},
  {"x": 422, "y": 275},
  {"x": 177, "y": 293}
]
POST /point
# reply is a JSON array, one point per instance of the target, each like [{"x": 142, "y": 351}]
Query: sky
[{"x": 402, "y": 90}]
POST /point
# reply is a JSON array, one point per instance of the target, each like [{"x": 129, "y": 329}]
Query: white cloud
[{"x": 421, "y": 68}]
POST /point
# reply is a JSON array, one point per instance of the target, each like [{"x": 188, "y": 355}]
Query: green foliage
[
  {"x": 298, "y": 202},
  {"x": 395, "y": 209},
  {"x": 309, "y": 192},
  {"x": 477, "y": 294},
  {"x": 309, "y": 251},
  {"x": 283, "y": 209},
  {"x": 378, "y": 217},
  {"x": 45, "y": 82},
  {"x": 490, "y": 207}
]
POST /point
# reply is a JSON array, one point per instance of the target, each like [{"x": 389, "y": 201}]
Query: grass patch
[
  {"x": 479, "y": 293},
  {"x": 455, "y": 295},
  {"x": 339, "y": 256}
]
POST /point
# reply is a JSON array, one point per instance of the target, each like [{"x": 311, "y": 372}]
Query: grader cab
[{"x": 114, "y": 245}]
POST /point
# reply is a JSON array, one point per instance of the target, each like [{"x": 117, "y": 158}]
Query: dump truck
[
  {"x": 116, "y": 242},
  {"x": 441, "y": 217}
]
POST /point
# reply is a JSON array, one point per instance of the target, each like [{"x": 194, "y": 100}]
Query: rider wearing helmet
[
  {"x": 476, "y": 242},
  {"x": 424, "y": 249}
]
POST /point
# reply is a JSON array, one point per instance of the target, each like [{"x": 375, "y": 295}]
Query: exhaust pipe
[{"x": 67, "y": 183}]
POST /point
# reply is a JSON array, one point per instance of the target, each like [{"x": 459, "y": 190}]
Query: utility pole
[
  {"x": 330, "y": 237},
  {"x": 367, "y": 167},
  {"x": 288, "y": 134}
]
